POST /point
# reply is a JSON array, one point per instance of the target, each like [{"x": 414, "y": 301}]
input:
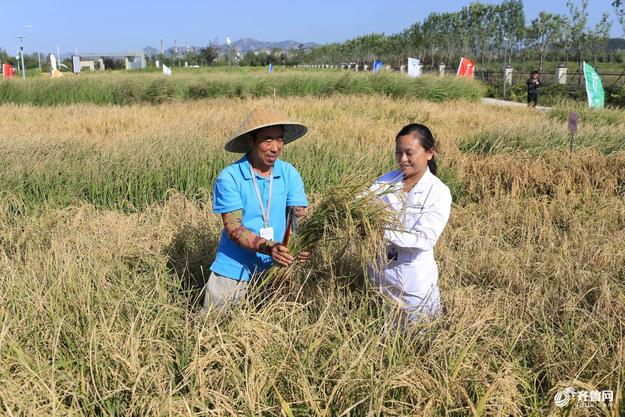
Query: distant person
[
  {"x": 532, "y": 89},
  {"x": 422, "y": 203},
  {"x": 252, "y": 196}
]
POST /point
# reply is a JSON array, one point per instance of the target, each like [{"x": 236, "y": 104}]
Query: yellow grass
[{"x": 94, "y": 321}]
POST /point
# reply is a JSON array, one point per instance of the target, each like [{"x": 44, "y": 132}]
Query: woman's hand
[{"x": 280, "y": 254}]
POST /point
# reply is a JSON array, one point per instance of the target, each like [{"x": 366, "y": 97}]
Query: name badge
[{"x": 266, "y": 233}]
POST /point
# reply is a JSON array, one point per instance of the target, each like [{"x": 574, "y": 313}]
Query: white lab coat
[{"x": 412, "y": 279}]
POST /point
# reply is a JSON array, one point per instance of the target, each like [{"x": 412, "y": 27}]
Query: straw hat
[{"x": 260, "y": 118}]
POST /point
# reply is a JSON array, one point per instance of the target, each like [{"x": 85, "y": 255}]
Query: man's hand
[
  {"x": 304, "y": 256},
  {"x": 281, "y": 255}
]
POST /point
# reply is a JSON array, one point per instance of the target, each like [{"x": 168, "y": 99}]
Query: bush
[
  {"x": 616, "y": 96},
  {"x": 549, "y": 95}
]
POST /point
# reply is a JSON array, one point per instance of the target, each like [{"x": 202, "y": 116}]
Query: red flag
[
  {"x": 465, "y": 69},
  {"x": 7, "y": 71}
]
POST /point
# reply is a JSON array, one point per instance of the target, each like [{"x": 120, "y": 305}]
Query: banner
[
  {"x": 53, "y": 62},
  {"x": 594, "y": 88},
  {"x": 270, "y": 67},
  {"x": 7, "y": 71},
  {"x": 414, "y": 67},
  {"x": 466, "y": 67},
  {"x": 76, "y": 64},
  {"x": 377, "y": 65},
  {"x": 166, "y": 70}
]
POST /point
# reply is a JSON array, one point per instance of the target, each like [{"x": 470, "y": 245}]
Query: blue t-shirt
[{"x": 234, "y": 190}]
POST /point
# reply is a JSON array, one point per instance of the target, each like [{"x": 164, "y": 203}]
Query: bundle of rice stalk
[{"x": 348, "y": 220}]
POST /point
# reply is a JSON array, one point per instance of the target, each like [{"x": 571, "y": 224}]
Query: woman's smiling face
[{"x": 412, "y": 158}]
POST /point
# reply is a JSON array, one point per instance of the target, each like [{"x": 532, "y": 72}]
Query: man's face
[{"x": 267, "y": 145}]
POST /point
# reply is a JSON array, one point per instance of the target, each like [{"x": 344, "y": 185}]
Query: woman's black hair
[{"x": 426, "y": 139}]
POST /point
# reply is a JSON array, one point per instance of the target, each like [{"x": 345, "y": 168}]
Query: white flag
[
  {"x": 166, "y": 70},
  {"x": 53, "y": 62},
  {"x": 414, "y": 67}
]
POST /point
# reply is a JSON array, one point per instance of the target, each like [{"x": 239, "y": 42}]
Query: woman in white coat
[{"x": 409, "y": 275}]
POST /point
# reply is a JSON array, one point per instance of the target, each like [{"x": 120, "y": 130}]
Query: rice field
[
  {"x": 127, "y": 88},
  {"x": 107, "y": 236}
]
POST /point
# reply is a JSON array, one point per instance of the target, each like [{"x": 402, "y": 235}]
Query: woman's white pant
[{"x": 416, "y": 299}]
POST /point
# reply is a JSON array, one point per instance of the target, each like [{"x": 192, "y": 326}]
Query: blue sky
[{"x": 115, "y": 25}]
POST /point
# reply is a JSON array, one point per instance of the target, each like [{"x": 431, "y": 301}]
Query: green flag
[{"x": 594, "y": 88}]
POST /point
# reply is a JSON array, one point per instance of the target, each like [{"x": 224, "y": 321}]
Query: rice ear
[{"x": 349, "y": 219}]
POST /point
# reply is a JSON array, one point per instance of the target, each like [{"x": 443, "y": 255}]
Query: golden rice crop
[{"x": 106, "y": 235}]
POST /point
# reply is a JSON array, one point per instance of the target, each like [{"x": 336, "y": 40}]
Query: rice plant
[
  {"x": 107, "y": 238},
  {"x": 127, "y": 89}
]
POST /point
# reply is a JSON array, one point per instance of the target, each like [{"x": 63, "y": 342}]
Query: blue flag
[
  {"x": 270, "y": 67},
  {"x": 377, "y": 65}
]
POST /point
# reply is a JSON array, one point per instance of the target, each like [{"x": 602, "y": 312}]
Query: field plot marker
[{"x": 573, "y": 120}]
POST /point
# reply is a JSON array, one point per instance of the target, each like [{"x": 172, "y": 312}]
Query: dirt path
[{"x": 496, "y": 102}]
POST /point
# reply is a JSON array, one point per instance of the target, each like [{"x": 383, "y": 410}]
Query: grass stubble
[{"x": 101, "y": 258}]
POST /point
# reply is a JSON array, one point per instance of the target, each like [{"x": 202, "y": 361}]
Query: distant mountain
[
  {"x": 248, "y": 44},
  {"x": 243, "y": 45},
  {"x": 149, "y": 51}
]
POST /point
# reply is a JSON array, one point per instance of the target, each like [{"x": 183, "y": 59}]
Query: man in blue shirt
[{"x": 252, "y": 196}]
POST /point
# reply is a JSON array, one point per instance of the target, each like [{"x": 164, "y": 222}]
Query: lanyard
[{"x": 263, "y": 211}]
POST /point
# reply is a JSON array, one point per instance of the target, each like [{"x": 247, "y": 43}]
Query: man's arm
[
  {"x": 250, "y": 240},
  {"x": 242, "y": 236}
]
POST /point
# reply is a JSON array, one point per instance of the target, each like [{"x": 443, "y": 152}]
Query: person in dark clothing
[{"x": 532, "y": 89}]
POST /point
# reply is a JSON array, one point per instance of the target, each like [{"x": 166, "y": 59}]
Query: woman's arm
[{"x": 423, "y": 228}]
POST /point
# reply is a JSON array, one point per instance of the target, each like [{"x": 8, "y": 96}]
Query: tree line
[{"x": 489, "y": 33}]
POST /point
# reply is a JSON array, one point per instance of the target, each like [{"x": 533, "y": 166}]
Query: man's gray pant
[{"x": 221, "y": 291}]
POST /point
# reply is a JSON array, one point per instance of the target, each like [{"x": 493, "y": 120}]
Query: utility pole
[
  {"x": 161, "y": 52},
  {"x": 228, "y": 43},
  {"x": 505, "y": 58},
  {"x": 20, "y": 38},
  {"x": 176, "y": 52}
]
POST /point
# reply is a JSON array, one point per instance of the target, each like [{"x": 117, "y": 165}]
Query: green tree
[
  {"x": 509, "y": 24},
  {"x": 478, "y": 27},
  {"x": 619, "y": 9},
  {"x": 413, "y": 39},
  {"x": 208, "y": 54},
  {"x": 5, "y": 58},
  {"x": 578, "y": 18},
  {"x": 544, "y": 32},
  {"x": 433, "y": 35},
  {"x": 598, "y": 37},
  {"x": 249, "y": 59}
]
